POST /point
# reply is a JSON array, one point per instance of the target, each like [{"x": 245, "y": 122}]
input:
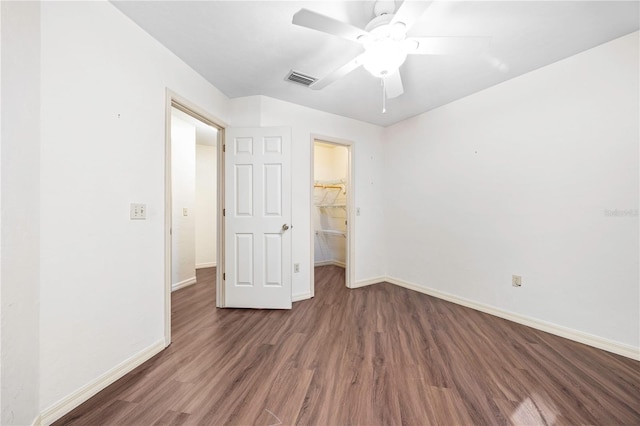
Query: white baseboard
[
  {"x": 37, "y": 421},
  {"x": 183, "y": 284},
  {"x": 299, "y": 297},
  {"x": 368, "y": 281},
  {"x": 558, "y": 330},
  {"x": 81, "y": 395},
  {"x": 330, "y": 262},
  {"x": 206, "y": 265}
]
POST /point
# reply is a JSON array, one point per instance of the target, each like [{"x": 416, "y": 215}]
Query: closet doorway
[{"x": 331, "y": 221}]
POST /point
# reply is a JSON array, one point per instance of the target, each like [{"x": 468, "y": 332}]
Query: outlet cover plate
[{"x": 516, "y": 280}]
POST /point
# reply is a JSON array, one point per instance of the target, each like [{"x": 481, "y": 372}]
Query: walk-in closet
[{"x": 330, "y": 204}]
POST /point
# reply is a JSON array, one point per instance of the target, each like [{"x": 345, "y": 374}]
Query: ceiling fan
[{"x": 386, "y": 44}]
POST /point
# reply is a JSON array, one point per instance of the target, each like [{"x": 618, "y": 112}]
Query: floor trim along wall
[
  {"x": 299, "y": 297},
  {"x": 76, "y": 398},
  {"x": 568, "y": 333},
  {"x": 183, "y": 284},
  {"x": 205, "y": 265},
  {"x": 330, "y": 262},
  {"x": 369, "y": 281}
]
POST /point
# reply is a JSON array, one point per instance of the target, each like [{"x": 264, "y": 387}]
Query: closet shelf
[{"x": 331, "y": 232}]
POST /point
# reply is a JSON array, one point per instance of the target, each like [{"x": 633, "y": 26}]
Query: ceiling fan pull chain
[{"x": 384, "y": 95}]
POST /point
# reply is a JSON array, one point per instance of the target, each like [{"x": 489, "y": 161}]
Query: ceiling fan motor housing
[
  {"x": 378, "y": 22},
  {"x": 384, "y": 7}
]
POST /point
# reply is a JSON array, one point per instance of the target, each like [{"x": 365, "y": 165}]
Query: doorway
[
  {"x": 192, "y": 181},
  {"x": 331, "y": 221},
  {"x": 193, "y": 197}
]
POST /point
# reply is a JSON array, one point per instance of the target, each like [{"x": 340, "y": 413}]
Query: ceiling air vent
[{"x": 299, "y": 78}]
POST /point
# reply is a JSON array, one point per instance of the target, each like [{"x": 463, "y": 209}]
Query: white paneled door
[{"x": 258, "y": 218}]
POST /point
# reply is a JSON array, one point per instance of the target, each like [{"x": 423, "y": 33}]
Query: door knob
[{"x": 285, "y": 227}]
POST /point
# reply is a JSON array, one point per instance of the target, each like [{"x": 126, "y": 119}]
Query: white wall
[
  {"x": 370, "y": 260},
  {"x": 322, "y": 162},
  {"x": 516, "y": 179},
  {"x": 183, "y": 196},
  {"x": 103, "y": 138},
  {"x": 330, "y": 162},
  {"x": 206, "y": 204},
  {"x": 20, "y": 216}
]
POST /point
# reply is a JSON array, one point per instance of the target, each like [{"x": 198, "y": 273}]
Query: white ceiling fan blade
[
  {"x": 448, "y": 45},
  {"x": 337, "y": 74},
  {"x": 307, "y": 18},
  {"x": 409, "y": 12},
  {"x": 393, "y": 85}
]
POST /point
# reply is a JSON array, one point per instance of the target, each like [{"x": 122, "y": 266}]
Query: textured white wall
[
  {"x": 518, "y": 179},
  {"x": 104, "y": 84},
  {"x": 183, "y": 196},
  {"x": 20, "y": 217},
  {"x": 206, "y": 205}
]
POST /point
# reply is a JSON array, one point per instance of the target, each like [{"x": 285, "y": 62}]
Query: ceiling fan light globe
[
  {"x": 398, "y": 31},
  {"x": 383, "y": 57}
]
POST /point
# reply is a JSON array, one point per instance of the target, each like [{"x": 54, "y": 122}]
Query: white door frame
[
  {"x": 175, "y": 100},
  {"x": 350, "y": 246}
]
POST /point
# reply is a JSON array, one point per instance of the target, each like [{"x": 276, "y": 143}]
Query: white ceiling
[{"x": 247, "y": 48}]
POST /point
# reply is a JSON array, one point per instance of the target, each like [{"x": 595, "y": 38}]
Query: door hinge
[
  {"x": 224, "y": 212},
  {"x": 224, "y": 276},
  {"x": 224, "y": 148}
]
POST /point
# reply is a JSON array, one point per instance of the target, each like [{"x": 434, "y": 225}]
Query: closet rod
[{"x": 327, "y": 186}]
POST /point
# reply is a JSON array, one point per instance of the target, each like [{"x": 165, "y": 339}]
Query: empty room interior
[{"x": 319, "y": 212}]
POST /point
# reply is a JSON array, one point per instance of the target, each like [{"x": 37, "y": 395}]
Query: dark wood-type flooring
[{"x": 378, "y": 355}]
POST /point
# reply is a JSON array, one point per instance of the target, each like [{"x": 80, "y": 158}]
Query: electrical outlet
[
  {"x": 296, "y": 267},
  {"x": 185, "y": 211},
  {"x": 138, "y": 211},
  {"x": 516, "y": 280}
]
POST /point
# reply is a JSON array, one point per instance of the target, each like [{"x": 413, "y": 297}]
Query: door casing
[{"x": 184, "y": 105}]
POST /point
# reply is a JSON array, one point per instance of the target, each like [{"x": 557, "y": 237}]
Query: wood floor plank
[
  {"x": 377, "y": 355},
  {"x": 172, "y": 418}
]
